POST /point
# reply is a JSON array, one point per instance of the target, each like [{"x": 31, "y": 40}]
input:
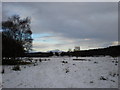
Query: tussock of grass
[{"x": 16, "y": 68}]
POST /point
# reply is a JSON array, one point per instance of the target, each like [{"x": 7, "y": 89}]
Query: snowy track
[{"x": 95, "y": 72}]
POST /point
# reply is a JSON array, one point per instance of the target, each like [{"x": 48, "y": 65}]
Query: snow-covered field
[{"x": 64, "y": 72}]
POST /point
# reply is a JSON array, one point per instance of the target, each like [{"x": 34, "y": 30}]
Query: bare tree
[{"x": 19, "y": 30}]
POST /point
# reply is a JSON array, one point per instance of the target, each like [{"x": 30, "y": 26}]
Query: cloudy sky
[{"x": 64, "y": 25}]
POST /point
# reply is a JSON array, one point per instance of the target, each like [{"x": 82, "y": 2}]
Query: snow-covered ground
[{"x": 93, "y": 72}]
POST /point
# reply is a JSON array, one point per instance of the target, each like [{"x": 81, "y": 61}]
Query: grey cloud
[{"x": 94, "y": 20}]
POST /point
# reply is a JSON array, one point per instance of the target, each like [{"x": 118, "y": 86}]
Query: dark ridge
[{"x": 109, "y": 51}]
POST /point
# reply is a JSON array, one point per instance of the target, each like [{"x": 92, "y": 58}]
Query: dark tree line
[
  {"x": 39, "y": 54},
  {"x": 16, "y": 37},
  {"x": 109, "y": 51},
  {"x": 113, "y": 51}
]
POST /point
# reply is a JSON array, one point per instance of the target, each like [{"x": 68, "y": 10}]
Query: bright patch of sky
[
  {"x": 44, "y": 38},
  {"x": 41, "y": 35}
]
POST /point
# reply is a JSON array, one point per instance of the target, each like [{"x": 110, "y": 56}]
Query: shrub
[
  {"x": 3, "y": 71},
  {"x": 16, "y": 68}
]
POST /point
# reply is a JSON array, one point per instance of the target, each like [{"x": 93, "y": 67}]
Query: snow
[{"x": 54, "y": 73}]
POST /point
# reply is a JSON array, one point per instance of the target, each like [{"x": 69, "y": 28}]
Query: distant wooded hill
[{"x": 111, "y": 51}]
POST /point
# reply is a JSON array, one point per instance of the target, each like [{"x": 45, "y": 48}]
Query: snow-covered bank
[{"x": 94, "y": 72}]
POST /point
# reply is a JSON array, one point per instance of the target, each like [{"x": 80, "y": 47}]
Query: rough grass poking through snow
[{"x": 64, "y": 72}]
